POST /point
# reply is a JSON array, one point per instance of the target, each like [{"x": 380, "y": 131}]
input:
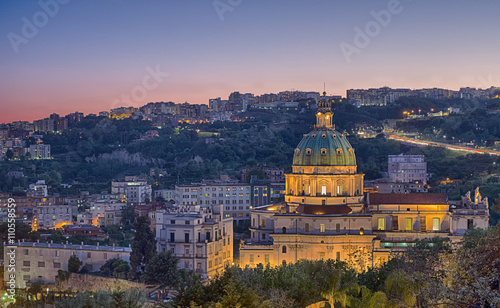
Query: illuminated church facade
[{"x": 325, "y": 214}]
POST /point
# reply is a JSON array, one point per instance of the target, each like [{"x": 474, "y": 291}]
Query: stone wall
[{"x": 83, "y": 283}]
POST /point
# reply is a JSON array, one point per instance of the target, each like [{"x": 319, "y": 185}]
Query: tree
[
  {"x": 144, "y": 245},
  {"x": 115, "y": 267},
  {"x": 74, "y": 264},
  {"x": 9, "y": 154},
  {"x": 368, "y": 299},
  {"x": 474, "y": 275},
  {"x": 162, "y": 270},
  {"x": 190, "y": 291},
  {"x": 342, "y": 291},
  {"x": 400, "y": 290},
  {"x": 128, "y": 215}
]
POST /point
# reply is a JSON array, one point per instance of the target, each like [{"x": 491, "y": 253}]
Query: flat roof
[{"x": 70, "y": 246}]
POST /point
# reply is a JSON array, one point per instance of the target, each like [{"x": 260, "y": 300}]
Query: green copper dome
[{"x": 324, "y": 146}]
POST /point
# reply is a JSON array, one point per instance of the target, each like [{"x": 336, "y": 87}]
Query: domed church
[
  {"x": 325, "y": 214},
  {"x": 324, "y": 178}
]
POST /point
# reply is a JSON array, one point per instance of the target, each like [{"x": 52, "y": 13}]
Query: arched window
[
  {"x": 284, "y": 231},
  {"x": 283, "y": 249},
  {"x": 334, "y": 136},
  {"x": 361, "y": 231},
  {"x": 308, "y": 152},
  {"x": 339, "y": 151},
  {"x": 323, "y": 152},
  {"x": 313, "y": 135},
  {"x": 297, "y": 152},
  {"x": 323, "y": 136}
]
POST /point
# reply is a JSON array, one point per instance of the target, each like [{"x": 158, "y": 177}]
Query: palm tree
[
  {"x": 369, "y": 299},
  {"x": 341, "y": 290}
]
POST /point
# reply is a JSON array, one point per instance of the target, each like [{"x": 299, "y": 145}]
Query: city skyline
[{"x": 65, "y": 56}]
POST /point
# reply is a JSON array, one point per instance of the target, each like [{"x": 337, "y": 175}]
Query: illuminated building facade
[
  {"x": 200, "y": 237},
  {"x": 326, "y": 216}
]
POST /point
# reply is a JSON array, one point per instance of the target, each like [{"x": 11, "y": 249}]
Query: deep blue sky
[{"x": 91, "y": 53}]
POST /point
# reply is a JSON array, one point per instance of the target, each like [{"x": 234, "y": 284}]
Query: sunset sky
[{"x": 88, "y": 55}]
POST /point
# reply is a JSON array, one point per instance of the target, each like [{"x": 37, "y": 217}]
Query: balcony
[{"x": 323, "y": 195}]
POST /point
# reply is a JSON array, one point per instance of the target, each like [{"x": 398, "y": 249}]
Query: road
[{"x": 443, "y": 145}]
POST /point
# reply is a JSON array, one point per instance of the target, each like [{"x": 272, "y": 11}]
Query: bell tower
[{"x": 324, "y": 115}]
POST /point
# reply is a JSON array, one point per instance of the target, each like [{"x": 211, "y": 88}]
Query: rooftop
[{"x": 69, "y": 246}]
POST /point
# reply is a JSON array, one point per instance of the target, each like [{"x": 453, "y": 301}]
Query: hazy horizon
[{"x": 67, "y": 56}]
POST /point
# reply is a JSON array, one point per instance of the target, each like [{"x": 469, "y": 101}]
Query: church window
[
  {"x": 339, "y": 151},
  {"x": 323, "y": 136},
  {"x": 323, "y": 190},
  {"x": 297, "y": 152},
  {"x": 322, "y": 228},
  {"x": 283, "y": 249},
  {"x": 334, "y": 136},
  {"x": 308, "y": 152},
  {"x": 361, "y": 231},
  {"x": 323, "y": 152}
]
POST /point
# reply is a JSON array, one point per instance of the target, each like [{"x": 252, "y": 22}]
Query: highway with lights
[{"x": 443, "y": 145}]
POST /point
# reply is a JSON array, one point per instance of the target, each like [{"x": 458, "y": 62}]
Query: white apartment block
[
  {"x": 40, "y": 151},
  {"x": 236, "y": 198},
  {"x": 201, "y": 237},
  {"x": 136, "y": 190},
  {"x": 407, "y": 169},
  {"x": 40, "y": 262}
]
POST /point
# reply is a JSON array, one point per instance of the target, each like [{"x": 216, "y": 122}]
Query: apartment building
[
  {"x": 201, "y": 237},
  {"x": 135, "y": 189},
  {"x": 407, "y": 169},
  {"x": 40, "y": 262}
]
